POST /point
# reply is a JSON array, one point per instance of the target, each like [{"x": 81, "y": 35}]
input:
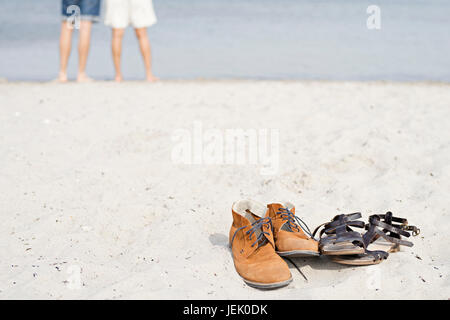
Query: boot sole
[
  {"x": 298, "y": 253},
  {"x": 274, "y": 285}
]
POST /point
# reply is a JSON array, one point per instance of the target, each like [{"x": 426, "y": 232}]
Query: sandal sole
[
  {"x": 340, "y": 249},
  {"x": 356, "y": 261},
  {"x": 378, "y": 245},
  {"x": 342, "y": 252},
  {"x": 382, "y": 245}
]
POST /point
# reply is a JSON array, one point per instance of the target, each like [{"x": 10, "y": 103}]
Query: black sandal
[
  {"x": 402, "y": 224},
  {"x": 339, "y": 238},
  {"x": 382, "y": 236}
]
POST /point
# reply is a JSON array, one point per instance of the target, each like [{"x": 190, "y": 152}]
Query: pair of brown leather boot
[{"x": 261, "y": 234}]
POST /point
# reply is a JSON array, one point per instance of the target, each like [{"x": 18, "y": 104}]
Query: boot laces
[
  {"x": 259, "y": 225},
  {"x": 293, "y": 221}
]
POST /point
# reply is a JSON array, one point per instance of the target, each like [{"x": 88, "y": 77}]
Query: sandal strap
[
  {"x": 378, "y": 254},
  {"x": 389, "y": 218},
  {"x": 394, "y": 240},
  {"x": 389, "y": 227},
  {"x": 340, "y": 224},
  {"x": 344, "y": 227},
  {"x": 394, "y": 233},
  {"x": 338, "y": 229},
  {"x": 351, "y": 236}
]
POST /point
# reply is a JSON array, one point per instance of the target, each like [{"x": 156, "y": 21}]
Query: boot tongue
[{"x": 274, "y": 208}]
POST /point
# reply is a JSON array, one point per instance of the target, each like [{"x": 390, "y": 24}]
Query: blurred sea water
[{"x": 252, "y": 39}]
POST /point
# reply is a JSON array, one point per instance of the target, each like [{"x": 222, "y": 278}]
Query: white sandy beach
[{"x": 89, "y": 190}]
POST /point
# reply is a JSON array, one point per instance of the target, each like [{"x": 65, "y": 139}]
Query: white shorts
[{"x": 122, "y": 13}]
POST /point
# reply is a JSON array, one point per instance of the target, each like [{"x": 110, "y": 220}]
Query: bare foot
[
  {"x": 82, "y": 77},
  {"x": 62, "y": 77},
  {"x": 152, "y": 78},
  {"x": 118, "y": 78}
]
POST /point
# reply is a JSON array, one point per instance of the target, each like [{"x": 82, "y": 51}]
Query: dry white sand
[{"x": 92, "y": 205}]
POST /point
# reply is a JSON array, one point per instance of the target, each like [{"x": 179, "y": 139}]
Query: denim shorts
[{"x": 87, "y": 9}]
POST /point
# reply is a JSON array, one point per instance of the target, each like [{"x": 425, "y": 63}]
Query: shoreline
[{"x": 236, "y": 80}]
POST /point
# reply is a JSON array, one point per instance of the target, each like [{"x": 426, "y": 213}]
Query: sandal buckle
[{"x": 414, "y": 229}]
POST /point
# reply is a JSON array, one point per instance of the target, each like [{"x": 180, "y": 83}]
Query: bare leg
[
  {"x": 83, "y": 50},
  {"x": 65, "y": 42},
  {"x": 117, "y": 36},
  {"x": 144, "y": 44}
]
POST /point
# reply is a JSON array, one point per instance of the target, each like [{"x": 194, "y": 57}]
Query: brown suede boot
[
  {"x": 252, "y": 244},
  {"x": 289, "y": 234}
]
